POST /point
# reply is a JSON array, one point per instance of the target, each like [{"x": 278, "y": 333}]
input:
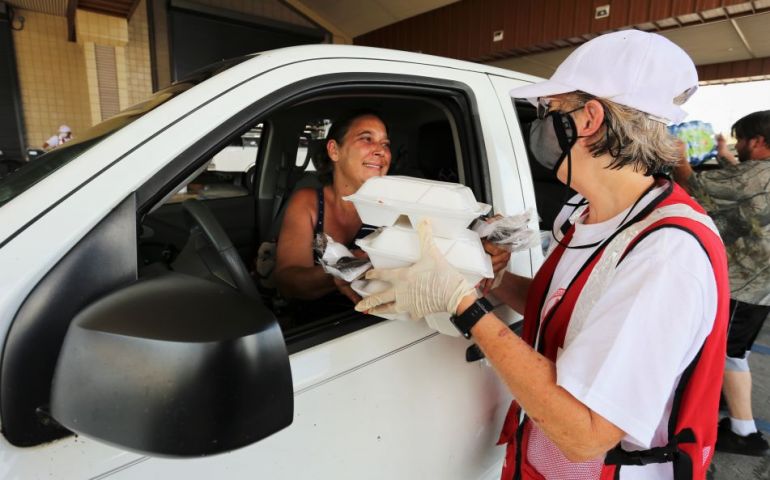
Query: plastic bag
[
  {"x": 699, "y": 138},
  {"x": 510, "y": 233},
  {"x": 337, "y": 260}
]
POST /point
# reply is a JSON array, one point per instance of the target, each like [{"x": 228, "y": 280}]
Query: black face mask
[{"x": 552, "y": 138}]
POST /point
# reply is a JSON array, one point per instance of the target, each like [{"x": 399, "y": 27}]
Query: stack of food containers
[{"x": 399, "y": 204}]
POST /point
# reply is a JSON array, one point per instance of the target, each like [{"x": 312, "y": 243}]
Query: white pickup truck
[{"x": 135, "y": 344}]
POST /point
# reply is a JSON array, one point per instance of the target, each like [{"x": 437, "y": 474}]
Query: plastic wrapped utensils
[
  {"x": 337, "y": 260},
  {"x": 511, "y": 233}
]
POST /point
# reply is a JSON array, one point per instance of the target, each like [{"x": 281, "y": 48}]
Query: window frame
[{"x": 457, "y": 96}]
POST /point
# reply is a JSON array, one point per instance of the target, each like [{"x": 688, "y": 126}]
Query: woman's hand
[
  {"x": 500, "y": 258},
  {"x": 344, "y": 288}
]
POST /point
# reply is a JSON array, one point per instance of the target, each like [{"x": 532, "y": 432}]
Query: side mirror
[{"x": 174, "y": 366}]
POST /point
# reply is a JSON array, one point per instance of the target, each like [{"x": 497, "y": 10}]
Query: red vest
[{"x": 694, "y": 415}]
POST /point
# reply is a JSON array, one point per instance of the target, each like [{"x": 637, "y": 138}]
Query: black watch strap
[{"x": 466, "y": 320}]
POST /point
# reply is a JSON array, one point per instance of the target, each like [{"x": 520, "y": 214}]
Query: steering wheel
[{"x": 215, "y": 238}]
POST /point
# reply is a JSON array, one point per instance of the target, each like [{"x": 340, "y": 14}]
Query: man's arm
[
  {"x": 683, "y": 171},
  {"x": 724, "y": 156}
]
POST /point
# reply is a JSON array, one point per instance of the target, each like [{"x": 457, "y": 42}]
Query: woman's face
[{"x": 364, "y": 152}]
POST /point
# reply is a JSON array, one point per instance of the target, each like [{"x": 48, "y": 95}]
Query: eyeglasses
[{"x": 544, "y": 107}]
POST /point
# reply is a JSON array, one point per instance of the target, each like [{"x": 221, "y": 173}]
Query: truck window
[
  {"x": 550, "y": 193},
  {"x": 228, "y": 173},
  {"x": 431, "y": 137},
  {"x": 310, "y": 140}
]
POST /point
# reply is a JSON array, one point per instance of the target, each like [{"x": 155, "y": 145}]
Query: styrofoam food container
[
  {"x": 398, "y": 246},
  {"x": 437, "y": 321},
  {"x": 451, "y": 207}
]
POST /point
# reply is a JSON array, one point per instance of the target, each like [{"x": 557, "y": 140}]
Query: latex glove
[{"x": 429, "y": 286}]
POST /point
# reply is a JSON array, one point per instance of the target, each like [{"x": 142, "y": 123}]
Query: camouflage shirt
[{"x": 737, "y": 197}]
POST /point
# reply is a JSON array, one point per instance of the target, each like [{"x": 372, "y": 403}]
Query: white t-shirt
[
  {"x": 56, "y": 140},
  {"x": 626, "y": 360},
  {"x": 53, "y": 141}
]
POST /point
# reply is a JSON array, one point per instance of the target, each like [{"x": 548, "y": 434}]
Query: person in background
[
  {"x": 64, "y": 136},
  {"x": 737, "y": 197},
  {"x": 617, "y": 374}
]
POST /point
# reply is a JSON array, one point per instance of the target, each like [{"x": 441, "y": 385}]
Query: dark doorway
[
  {"x": 11, "y": 119},
  {"x": 201, "y": 37}
]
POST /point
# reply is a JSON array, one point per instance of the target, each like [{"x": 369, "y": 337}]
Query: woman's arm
[
  {"x": 296, "y": 274},
  {"x": 580, "y": 433},
  {"x": 513, "y": 291},
  {"x": 433, "y": 285}
]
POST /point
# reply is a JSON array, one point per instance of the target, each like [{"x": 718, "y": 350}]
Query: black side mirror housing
[{"x": 174, "y": 366}]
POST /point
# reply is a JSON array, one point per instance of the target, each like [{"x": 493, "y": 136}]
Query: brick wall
[
  {"x": 139, "y": 73},
  {"x": 52, "y": 77},
  {"x": 55, "y": 74}
]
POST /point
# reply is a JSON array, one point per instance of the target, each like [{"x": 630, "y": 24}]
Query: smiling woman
[{"x": 357, "y": 148}]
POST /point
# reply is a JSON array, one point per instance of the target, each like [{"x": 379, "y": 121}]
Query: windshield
[{"x": 35, "y": 170}]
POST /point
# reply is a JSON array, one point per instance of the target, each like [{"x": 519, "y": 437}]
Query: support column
[{"x": 103, "y": 39}]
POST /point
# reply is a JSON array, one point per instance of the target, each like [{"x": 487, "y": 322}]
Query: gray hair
[{"x": 631, "y": 137}]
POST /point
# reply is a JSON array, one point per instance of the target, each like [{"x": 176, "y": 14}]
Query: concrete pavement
[{"x": 726, "y": 466}]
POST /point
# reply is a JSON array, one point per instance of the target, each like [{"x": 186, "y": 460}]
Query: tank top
[{"x": 319, "y": 224}]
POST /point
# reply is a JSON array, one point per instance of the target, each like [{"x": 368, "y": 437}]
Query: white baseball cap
[
  {"x": 641, "y": 70},
  {"x": 64, "y": 129}
]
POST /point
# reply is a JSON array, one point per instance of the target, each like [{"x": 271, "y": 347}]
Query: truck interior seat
[
  {"x": 549, "y": 191},
  {"x": 436, "y": 154}
]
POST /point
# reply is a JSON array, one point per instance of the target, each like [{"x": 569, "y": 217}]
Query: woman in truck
[{"x": 357, "y": 148}]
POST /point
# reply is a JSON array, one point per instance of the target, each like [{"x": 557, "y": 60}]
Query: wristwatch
[{"x": 466, "y": 320}]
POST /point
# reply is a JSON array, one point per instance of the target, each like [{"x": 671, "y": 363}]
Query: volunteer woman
[
  {"x": 624, "y": 330},
  {"x": 358, "y": 148}
]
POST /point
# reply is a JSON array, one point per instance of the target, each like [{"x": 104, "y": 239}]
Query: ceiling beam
[
  {"x": 118, "y": 8},
  {"x": 742, "y": 37},
  {"x": 132, "y": 9},
  {"x": 338, "y": 36}
]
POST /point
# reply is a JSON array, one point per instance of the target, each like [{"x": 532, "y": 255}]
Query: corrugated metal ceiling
[
  {"x": 707, "y": 44},
  {"x": 355, "y": 17},
  {"x": 51, "y": 7}
]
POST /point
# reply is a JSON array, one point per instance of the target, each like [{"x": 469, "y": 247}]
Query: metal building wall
[{"x": 464, "y": 29}]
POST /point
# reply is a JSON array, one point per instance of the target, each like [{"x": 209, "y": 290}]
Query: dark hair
[
  {"x": 753, "y": 125},
  {"x": 323, "y": 164}
]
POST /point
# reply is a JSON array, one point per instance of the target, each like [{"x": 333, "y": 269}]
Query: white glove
[{"x": 429, "y": 286}]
